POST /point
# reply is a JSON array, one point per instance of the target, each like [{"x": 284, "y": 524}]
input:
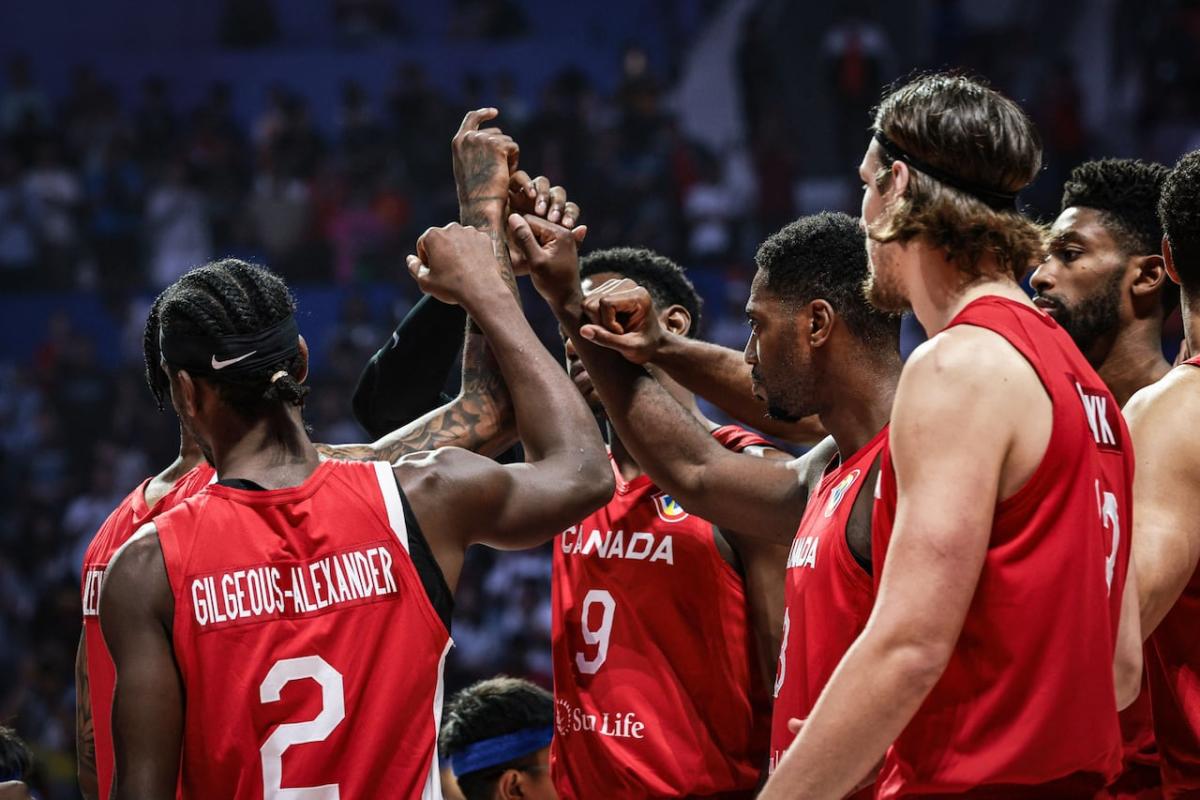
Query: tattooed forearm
[{"x": 85, "y": 735}]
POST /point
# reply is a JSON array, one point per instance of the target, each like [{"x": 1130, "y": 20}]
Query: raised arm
[
  {"x": 1166, "y": 502},
  {"x": 949, "y": 437},
  {"x": 762, "y": 496},
  {"x": 136, "y": 610},
  {"x": 461, "y": 498},
  {"x": 718, "y": 374}
]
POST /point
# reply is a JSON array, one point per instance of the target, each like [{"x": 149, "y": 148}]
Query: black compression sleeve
[{"x": 405, "y": 378}]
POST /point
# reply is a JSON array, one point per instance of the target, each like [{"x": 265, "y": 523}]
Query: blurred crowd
[{"x": 120, "y": 195}]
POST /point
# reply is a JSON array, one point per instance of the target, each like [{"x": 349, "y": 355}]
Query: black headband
[
  {"x": 238, "y": 354},
  {"x": 998, "y": 200}
]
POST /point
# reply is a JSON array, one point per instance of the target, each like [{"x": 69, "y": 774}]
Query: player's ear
[
  {"x": 303, "y": 361},
  {"x": 508, "y": 785},
  {"x": 186, "y": 391},
  {"x": 676, "y": 319},
  {"x": 821, "y": 318},
  {"x": 1150, "y": 273},
  {"x": 1169, "y": 260}
]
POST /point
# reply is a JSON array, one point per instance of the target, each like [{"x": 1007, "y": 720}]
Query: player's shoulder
[
  {"x": 141, "y": 552},
  {"x": 1166, "y": 402},
  {"x": 114, "y": 531},
  {"x": 967, "y": 361}
]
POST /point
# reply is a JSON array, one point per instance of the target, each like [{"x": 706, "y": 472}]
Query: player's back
[
  {"x": 656, "y": 689},
  {"x": 1026, "y": 705},
  {"x": 122, "y": 523},
  {"x": 310, "y": 650}
]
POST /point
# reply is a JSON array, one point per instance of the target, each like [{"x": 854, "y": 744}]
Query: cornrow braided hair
[
  {"x": 225, "y": 298},
  {"x": 156, "y": 379}
]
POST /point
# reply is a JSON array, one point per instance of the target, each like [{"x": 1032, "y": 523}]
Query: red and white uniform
[
  {"x": 1140, "y": 777},
  {"x": 1026, "y": 706},
  {"x": 827, "y": 595},
  {"x": 310, "y": 652},
  {"x": 122, "y": 523},
  {"x": 656, "y": 688},
  {"x": 1173, "y": 664}
]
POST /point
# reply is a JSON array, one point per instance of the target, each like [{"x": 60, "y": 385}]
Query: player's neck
[
  {"x": 189, "y": 457},
  {"x": 861, "y": 405},
  {"x": 274, "y": 451},
  {"x": 938, "y": 290},
  {"x": 1134, "y": 359},
  {"x": 1191, "y": 321}
]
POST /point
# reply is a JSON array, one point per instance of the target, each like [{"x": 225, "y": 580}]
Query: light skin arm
[
  {"x": 136, "y": 610},
  {"x": 950, "y": 435},
  {"x": 1166, "y": 507},
  {"x": 85, "y": 738},
  {"x": 718, "y": 374},
  {"x": 462, "y": 498}
]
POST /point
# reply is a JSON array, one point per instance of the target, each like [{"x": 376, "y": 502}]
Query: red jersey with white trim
[
  {"x": 1027, "y": 706},
  {"x": 310, "y": 652},
  {"x": 656, "y": 689},
  {"x": 827, "y": 595},
  {"x": 122, "y": 523},
  {"x": 1173, "y": 663}
]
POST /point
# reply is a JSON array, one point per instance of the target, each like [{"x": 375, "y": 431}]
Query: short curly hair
[
  {"x": 824, "y": 256},
  {"x": 1126, "y": 192},
  {"x": 1179, "y": 213},
  {"x": 665, "y": 280},
  {"x": 961, "y": 126}
]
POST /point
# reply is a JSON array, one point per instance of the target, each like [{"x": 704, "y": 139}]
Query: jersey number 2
[
  {"x": 598, "y": 636},
  {"x": 333, "y": 711},
  {"x": 1110, "y": 519}
]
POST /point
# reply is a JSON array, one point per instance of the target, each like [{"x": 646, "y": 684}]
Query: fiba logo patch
[
  {"x": 562, "y": 716},
  {"x": 668, "y": 510},
  {"x": 839, "y": 491}
]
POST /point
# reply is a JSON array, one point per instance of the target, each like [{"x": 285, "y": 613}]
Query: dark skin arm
[
  {"x": 718, "y": 374},
  {"x": 736, "y": 491},
  {"x": 85, "y": 738},
  {"x": 462, "y": 498},
  {"x": 136, "y": 611}
]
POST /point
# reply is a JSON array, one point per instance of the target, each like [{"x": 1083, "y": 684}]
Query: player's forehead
[
  {"x": 871, "y": 161},
  {"x": 598, "y": 279},
  {"x": 1082, "y": 225},
  {"x": 761, "y": 299}
]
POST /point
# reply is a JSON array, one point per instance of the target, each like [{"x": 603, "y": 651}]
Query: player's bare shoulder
[
  {"x": 967, "y": 355},
  {"x": 1163, "y": 408}
]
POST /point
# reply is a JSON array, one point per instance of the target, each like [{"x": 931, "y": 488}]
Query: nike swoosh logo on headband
[{"x": 223, "y": 364}]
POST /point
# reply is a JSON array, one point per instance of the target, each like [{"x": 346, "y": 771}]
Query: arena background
[{"x": 140, "y": 139}]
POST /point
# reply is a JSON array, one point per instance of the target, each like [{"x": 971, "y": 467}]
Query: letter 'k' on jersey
[
  {"x": 656, "y": 689},
  {"x": 310, "y": 650},
  {"x": 1026, "y": 706},
  {"x": 1173, "y": 664},
  {"x": 827, "y": 595},
  {"x": 121, "y": 524}
]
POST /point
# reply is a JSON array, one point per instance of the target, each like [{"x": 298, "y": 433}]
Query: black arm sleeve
[{"x": 405, "y": 378}]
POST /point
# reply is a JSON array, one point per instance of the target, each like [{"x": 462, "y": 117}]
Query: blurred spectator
[
  {"x": 361, "y": 20},
  {"x": 155, "y": 122},
  {"x": 18, "y": 248},
  {"x": 854, "y": 48},
  {"x": 55, "y": 197},
  {"x": 23, "y": 103},
  {"x": 487, "y": 19},
  {"x": 177, "y": 226}
]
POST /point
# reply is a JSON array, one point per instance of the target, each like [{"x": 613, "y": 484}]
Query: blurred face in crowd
[
  {"x": 1084, "y": 282},
  {"x": 779, "y": 355},
  {"x": 884, "y": 287}
]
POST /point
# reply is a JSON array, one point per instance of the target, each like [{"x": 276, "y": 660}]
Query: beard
[
  {"x": 1092, "y": 318},
  {"x": 882, "y": 287},
  {"x": 792, "y": 399}
]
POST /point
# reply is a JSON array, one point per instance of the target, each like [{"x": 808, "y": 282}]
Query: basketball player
[
  {"x": 999, "y": 649},
  {"x": 496, "y": 738},
  {"x": 1105, "y": 283},
  {"x": 815, "y": 346},
  {"x": 661, "y": 621},
  {"x": 478, "y": 419},
  {"x": 1167, "y": 493},
  {"x": 298, "y": 600}
]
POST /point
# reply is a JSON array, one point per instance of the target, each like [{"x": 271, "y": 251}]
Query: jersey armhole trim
[{"x": 391, "y": 501}]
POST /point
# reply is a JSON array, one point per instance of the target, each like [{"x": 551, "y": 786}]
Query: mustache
[{"x": 1051, "y": 299}]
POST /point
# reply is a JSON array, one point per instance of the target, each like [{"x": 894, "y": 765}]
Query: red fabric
[
  {"x": 679, "y": 661},
  {"x": 1027, "y": 698},
  {"x": 1139, "y": 779},
  {"x": 827, "y": 596},
  {"x": 1173, "y": 664},
  {"x": 297, "y": 607},
  {"x": 121, "y": 524}
]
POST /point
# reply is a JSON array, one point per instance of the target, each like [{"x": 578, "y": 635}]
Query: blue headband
[{"x": 499, "y": 750}]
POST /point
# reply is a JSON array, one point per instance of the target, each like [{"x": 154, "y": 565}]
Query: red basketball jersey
[
  {"x": 122, "y": 523},
  {"x": 827, "y": 595},
  {"x": 656, "y": 688},
  {"x": 1026, "y": 706},
  {"x": 1173, "y": 663},
  {"x": 310, "y": 652}
]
